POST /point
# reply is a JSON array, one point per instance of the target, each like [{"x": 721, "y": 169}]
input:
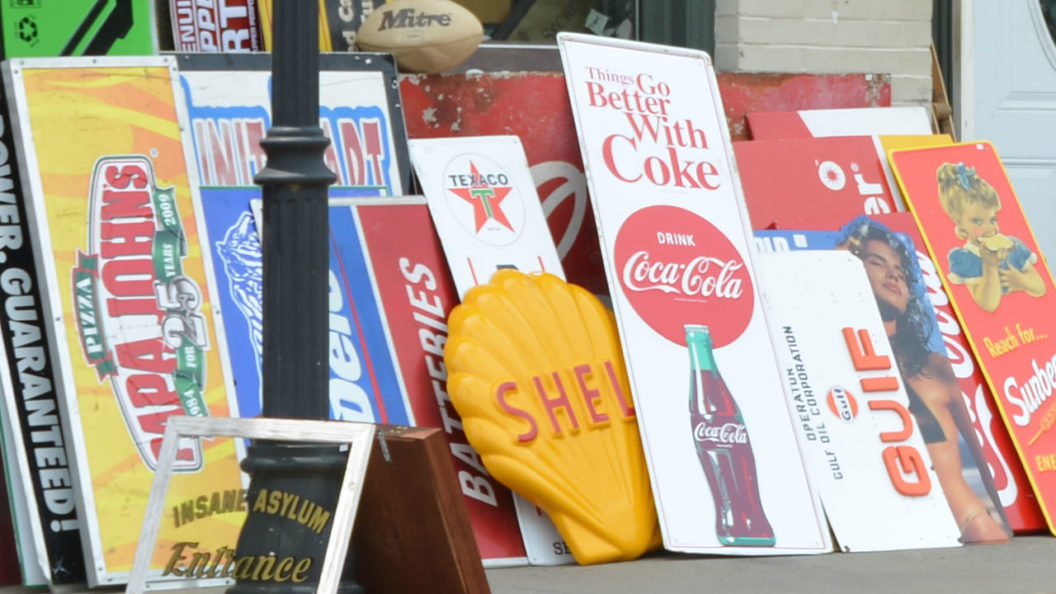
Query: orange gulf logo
[
  {"x": 905, "y": 465},
  {"x": 537, "y": 374},
  {"x": 842, "y": 404}
]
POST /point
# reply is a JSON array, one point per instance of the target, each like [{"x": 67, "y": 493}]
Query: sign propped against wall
[
  {"x": 1000, "y": 288},
  {"x": 788, "y": 179},
  {"x": 37, "y": 454},
  {"x": 229, "y": 105},
  {"x": 955, "y": 394},
  {"x": 723, "y": 457},
  {"x": 483, "y": 203},
  {"x": 391, "y": 330},
  {"x": 128, "y": 291},
  {"x": 864, "y": 449},
  {"x": 394, "y": 241}
]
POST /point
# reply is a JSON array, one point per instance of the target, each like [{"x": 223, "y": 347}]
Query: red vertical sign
[
  {"x": 415, "y": 288},
  {"x": 1000, "y": 288}
]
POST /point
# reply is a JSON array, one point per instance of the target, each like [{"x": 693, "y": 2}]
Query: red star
[{"x": 486, "y": 200}]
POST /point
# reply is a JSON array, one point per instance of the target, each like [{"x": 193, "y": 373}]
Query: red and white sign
[
  {"x": 799, "y": 178},
  {"x": 864, "y": 449},
  {"x": 673, "y": 230},
  {"x": 859, "y": 121},
  {"x": 483, "y": 202},
  {"x": 214, "y": 25},
  {"x": 416, "y": 293},
  {"x": 667, "y": 284},
  {"x": 1002, "y": 294}
]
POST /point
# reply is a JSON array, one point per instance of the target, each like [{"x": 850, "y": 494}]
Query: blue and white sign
[{"x": 363, "y": 379}]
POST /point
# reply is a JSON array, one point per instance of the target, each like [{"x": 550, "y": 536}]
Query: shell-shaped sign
[{"x": 537, "y": 374}]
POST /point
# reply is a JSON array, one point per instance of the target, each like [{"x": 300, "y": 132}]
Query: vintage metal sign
[
  {"x": 483, "y": 203},
  {"x": 229, "y": 104},
  {"x": 127, "y": 291},
  {"x": 674, "y": 237},
  {"x": 415, "y": 294},
  {"x": 784, "y": 180},
  {"x": 863, "y": 447},
  {"x": 999, "y": 286},
  {"x": 989, "y": 464}
]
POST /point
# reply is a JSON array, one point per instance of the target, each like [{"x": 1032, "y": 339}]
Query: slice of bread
[{"x": 996, "y": 243}]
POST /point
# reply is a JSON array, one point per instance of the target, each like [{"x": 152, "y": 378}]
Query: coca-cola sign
[
  {"x": 677, "y": 268},
  {"x": 727, "y": 433}
]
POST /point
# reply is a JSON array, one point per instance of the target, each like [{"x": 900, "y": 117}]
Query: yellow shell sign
[{"x": 537, "y": 374}]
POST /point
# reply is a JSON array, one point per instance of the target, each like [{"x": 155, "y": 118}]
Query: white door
[{"x": 1008, "y": 96}]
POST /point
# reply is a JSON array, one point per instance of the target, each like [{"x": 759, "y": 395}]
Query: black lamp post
[{"x": 289, "y": 553}]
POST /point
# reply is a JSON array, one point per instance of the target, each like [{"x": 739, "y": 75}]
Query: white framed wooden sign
[{"x": 358, "y": 437}]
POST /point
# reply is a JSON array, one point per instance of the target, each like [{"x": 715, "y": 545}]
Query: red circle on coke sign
[{"x": 676, "y": 268}]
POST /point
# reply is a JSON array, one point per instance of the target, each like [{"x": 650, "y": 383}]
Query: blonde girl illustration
[{"x": 989, "y": 264}]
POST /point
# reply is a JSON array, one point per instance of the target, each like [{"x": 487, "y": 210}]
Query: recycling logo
[{"x": 27, "y": 30}]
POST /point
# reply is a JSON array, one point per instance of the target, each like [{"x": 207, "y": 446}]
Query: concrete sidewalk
[{"x": 1027, "y": 565}]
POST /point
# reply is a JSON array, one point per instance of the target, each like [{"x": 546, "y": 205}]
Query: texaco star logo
[{"x": 484, "y": 199}]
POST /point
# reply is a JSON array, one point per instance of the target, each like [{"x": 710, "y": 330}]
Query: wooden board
[{"x": 413, "y": 528}]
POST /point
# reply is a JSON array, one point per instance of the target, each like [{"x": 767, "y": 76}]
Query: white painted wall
[{"x": 830, "y": 36}]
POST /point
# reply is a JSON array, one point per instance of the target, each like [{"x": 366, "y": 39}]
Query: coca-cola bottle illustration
[{"x": 724, "y": 449}]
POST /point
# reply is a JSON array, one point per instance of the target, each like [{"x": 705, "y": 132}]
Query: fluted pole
[{"x": 295, "y": 240}]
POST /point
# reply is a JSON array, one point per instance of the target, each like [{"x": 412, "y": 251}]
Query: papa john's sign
[
  {"x": 138, "y": 315},
  {"x": 113, "y": 205}
]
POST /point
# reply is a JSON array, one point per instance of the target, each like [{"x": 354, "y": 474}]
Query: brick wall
[{"x": 827, "y": 36}]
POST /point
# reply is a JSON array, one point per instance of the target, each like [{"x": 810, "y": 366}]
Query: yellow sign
[
  {"x": 536, "y": 373},
  {"x": 123, "y": 266}
]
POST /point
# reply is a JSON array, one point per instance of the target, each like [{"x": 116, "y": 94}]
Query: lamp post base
[{"x": 292, "y": 498}]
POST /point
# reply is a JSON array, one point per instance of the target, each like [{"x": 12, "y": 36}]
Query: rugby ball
[{"x": 425, "y": 35}]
